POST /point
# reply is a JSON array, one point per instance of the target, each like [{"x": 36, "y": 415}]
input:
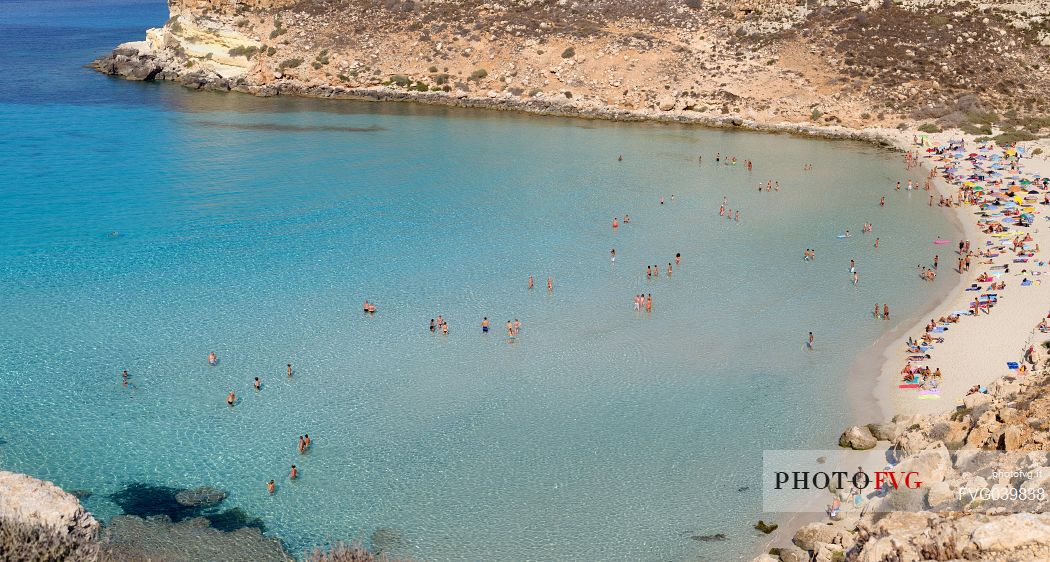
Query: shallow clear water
[{"x": 255, "y": 228}]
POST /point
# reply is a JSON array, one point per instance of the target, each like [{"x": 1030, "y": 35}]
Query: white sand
[{"x": 976, "y": 349}]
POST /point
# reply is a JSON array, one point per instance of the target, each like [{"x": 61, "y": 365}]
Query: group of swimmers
[
  {"x": 645, "y": 301},
  {"x": 440, "y": 324},
  {"x": 885, "y": 312},
  {"x": 770, "y": 186},
  {"x": 727, "y": 213},
  {"x": 550, "y": 280}
]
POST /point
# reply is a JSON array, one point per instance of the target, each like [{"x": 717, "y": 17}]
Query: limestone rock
[
  {"x": 857, "y": 437},
  {"x": 885, "y": 431},
  {"x": 666, "y": 103},
  {"x": 792, "y": 553},
  {"x": 1013, "y": 531},
  {"x": 976, "y": 399},
  {"x": 811, "y": 536},
  {"x": 27, "y": 499}
]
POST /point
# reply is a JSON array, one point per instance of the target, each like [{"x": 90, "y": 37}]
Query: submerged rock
[
  {"x": 80, "y": 494},
  {"x": 766, "y": 527},
  {"x": 710, "y": 538},
  {"x": 158, "y": 538},
  {"x": 202, "y": 496},
  {"x": 386, "y": 539}
]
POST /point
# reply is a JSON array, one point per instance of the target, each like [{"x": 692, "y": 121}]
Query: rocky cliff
[{"x": 859, "y": 63}]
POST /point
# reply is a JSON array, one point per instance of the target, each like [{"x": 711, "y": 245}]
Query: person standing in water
[
  {"x": 616, "y": 222},
  {"x": 936, "y": 258},
  {"x": 882, "y": 202},
  {"x": 876, "y": 310},
  {"x": 550, "y": 284},
  {"x": 124, "y": 377},
  {"x": 530, "y": 281},
  {"x": 669, "y": 270},
  {"x": 809, "y": 342},
  {"x": 856, "y": 278},
  {"x": 257, "y": 384},
  {"x": 289, "y": 370},
  {"x": 213, "y": 360},
  {"x": 517, "y": 326},
  {"x": 612, "y": 255},
  {"x": 678, "y": 258},
  {"x": 231, "y": 398},
  {"x": 876, "y": 241},
  {"x": 485, "y": 325},
  {"x": 510, "y": 329},
  {"x": 885, "y": 312},
  {"x": 294, "y": 473},
  {"x": 271, "y": 487}
]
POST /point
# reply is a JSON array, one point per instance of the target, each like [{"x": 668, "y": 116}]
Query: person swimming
[
  {"x": 271, "y": 487},
  {"x": 231, "y": 398},
  {"x": 213, "y": 360}
]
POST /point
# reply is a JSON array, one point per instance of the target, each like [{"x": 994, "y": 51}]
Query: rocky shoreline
[
  {"x": 128, "y": 63},
  {"x": 955, "y": 451}
]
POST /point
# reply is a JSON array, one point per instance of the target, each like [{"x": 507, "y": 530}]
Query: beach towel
[
  {"x": 908, "y": 385},
  {"x": 938, "y": 330},
  {"x": 1012, "y": 365},
  {"x": 930, "y": 397}
]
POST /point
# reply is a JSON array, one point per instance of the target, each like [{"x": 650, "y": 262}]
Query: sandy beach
[{"x": 976, "y": 349}]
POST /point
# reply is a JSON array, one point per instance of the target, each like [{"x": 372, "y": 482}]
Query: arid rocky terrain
[{"x": 909, "y": 63}]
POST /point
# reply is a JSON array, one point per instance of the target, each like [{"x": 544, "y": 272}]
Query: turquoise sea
[{"x": 144, "y": 225}]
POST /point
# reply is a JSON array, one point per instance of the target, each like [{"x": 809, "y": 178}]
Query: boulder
[
  {"x": 128, "y": 63},
  {"x": 858, "y": 438},
  {"x": 911, "y": 442},
  {"x": 886, "y": 431},
  {"x": 931, "y": 464},
  {"x": 200, "y": 497},
  {"x": 38, "y": 502},
  {"x": 666, "y": 103},
  {"x": 1019, "y": 530},
  {"x": 792, "y": 553},
  {"x": 811, "y": 536},
  {"x": 976, "y": 399},
  {"x": 766, "y": 527}
]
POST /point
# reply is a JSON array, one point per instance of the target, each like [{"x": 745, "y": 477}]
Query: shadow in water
[{"x": 147, "y": 500}]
